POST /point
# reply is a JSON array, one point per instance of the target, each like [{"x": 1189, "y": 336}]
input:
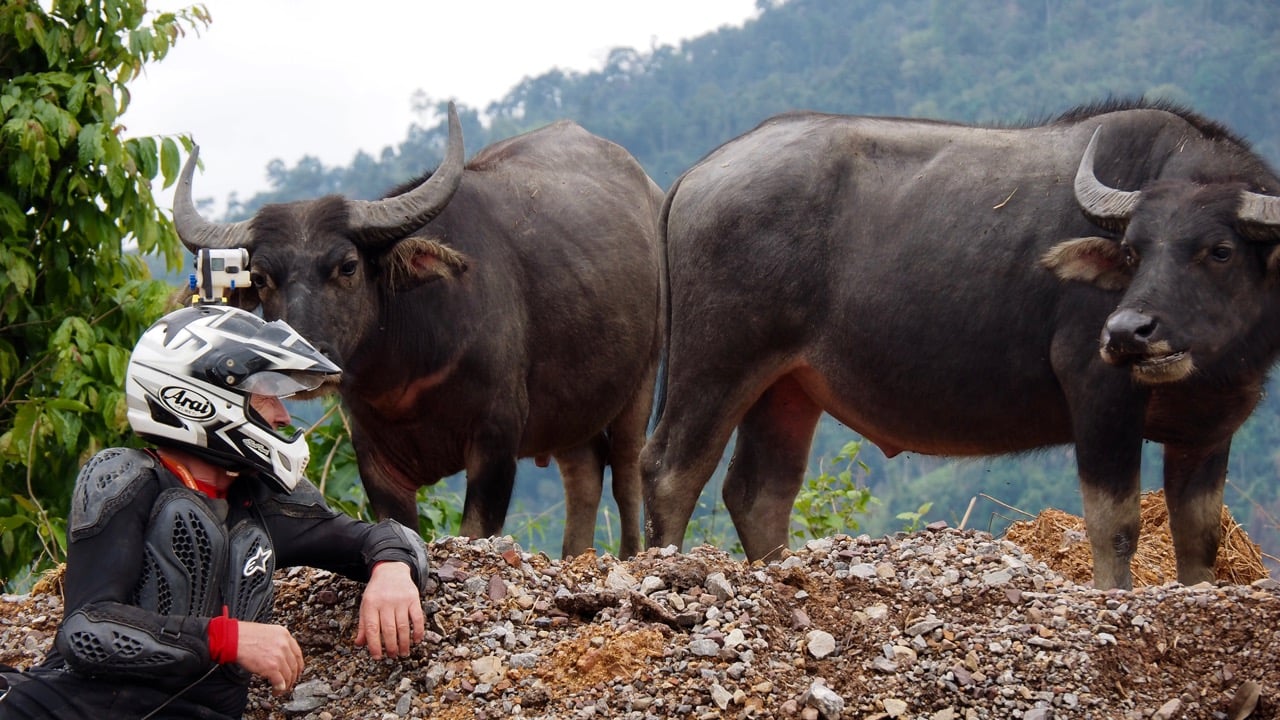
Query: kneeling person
[{"x": 171, "y": 550}]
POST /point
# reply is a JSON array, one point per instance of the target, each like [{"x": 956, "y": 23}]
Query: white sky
[{"x": 287, "y": 78}]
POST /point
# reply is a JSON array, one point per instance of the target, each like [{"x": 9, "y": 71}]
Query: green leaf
[
  {"x": 89, "y": 145},
  {"x": 68, "y": 404},
  {"x": 20, "y": 274},
  {"x": 143, "y": 151},
  {"x": 13, "y": 522},
  {"x": 170, "y": 161}
]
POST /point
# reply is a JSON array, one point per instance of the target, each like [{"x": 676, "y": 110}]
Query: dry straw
[{"x": 1058, "y": 540}]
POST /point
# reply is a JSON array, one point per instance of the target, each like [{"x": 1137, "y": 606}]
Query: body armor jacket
[{"x": 151, "y": 561}]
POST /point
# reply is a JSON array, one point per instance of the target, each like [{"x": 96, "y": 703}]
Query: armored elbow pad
[{"x": 122, "y": 640}]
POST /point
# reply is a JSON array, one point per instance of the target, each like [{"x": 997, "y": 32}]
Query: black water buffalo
[
  {"x": 507, "y": 308},
  {"x": 1106, "y": 277}
]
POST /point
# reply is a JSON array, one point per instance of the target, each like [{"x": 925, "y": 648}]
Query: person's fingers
[
  {"x": 373, "y": 636},
  {"x": 387, "y": 620},
  {"x": 296, "y": 662},
  {"x": 403, "y": 631},
  {"x": 419, "y": 621}
]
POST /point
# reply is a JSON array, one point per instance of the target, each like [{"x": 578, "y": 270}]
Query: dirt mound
[{"x": 941, "y": 623}]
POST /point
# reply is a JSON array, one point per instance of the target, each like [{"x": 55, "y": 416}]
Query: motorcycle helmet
[{"x": 191, "y": 376}]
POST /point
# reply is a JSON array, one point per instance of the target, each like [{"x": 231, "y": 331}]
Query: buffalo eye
[
  {"x": 348, "y": 268},
  {"x": 258, "y": 279},
  {"x": 1222, "y": 252}
]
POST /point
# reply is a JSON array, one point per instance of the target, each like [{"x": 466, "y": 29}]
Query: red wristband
[{"x": 224, "y": 638}]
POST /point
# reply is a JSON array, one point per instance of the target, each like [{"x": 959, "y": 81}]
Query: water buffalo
[
  {"x": 503, "y": 308},
  {"x": 1109, "y": 276}
]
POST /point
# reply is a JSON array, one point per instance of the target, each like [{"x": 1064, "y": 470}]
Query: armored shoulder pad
[{"x": 109, "y": 481}]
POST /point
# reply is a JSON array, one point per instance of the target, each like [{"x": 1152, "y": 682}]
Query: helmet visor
[{"x": 282, "y": 385}]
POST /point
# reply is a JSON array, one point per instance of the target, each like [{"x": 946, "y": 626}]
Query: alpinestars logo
[{"x": 257, "y": 562}]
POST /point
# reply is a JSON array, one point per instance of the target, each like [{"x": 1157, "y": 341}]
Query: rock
[
  {"x": 893, "y": 707},
  {"x": 826, "y": 701},
  {"x": 1245, "y": 701},
  {"x": 820, "y": 643},
  {"x": 719, "y": 586}
]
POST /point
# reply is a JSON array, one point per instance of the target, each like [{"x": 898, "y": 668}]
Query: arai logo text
[{"x": 187, "y": 403}]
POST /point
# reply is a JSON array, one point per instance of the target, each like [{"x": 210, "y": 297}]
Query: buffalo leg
[
  {"x": 582, "y": 471},
  {"x": 676, "y": 464},
  {"x": 1108, "y": 413},
  {"x": 689, "y": 441},
  {"x": 1111, "y": 521},
  {"x": 1193, "y": 484},
  {"x": 768, "y": 467},
  {"x": 626, "y": 441},
  {"x": 491, "y": 475},
  {"x": 1109, "y": 458}
]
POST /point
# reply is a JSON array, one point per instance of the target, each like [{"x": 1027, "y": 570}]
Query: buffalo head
[
  {"x": 1194, "y": 261},
  {"x": 326, "y": 265}
]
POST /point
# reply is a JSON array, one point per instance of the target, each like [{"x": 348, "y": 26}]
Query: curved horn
[
  {"x": 1097, "y": 199},
  {"x": 397, "y": 216},
  {"x": 193, "y": 230},
  {"x": 1260, "y": 209}
]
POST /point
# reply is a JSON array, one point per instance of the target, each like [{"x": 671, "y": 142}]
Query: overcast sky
[{"x": 286, "y": 78}]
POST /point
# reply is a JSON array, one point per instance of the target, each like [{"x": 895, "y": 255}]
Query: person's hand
[
  {"x": 390, "y": 611},
  {"x": 269, "y": 651}
]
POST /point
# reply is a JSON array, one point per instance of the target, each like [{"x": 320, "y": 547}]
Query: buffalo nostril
[{"x": 1128, "y": 331}]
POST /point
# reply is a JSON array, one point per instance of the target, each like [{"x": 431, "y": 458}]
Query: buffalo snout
[
  {"x": 1132, "y": 338},
  {"x": 1127, "y": 335}
]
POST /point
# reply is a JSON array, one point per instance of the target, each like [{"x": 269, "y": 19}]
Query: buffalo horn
[
  {"x": 397, "y": 216},
  {"x": 1097, "y": 199},
  {"x": 196, "y": 232},
  {"x": 1260, "y": 209}
]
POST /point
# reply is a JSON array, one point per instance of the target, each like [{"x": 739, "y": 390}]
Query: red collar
[{"x": 188, "y": 479}]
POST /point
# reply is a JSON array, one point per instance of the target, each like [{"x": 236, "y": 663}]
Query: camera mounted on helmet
[{"x": 218, "y": 271}]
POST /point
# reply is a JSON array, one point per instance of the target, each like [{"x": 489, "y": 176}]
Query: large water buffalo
[
  {"x": 503, "y": 308},
  {"x": 945, "y": 289}
]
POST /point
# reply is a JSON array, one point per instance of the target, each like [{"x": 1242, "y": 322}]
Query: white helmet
[{"x": 191, "y": 376}]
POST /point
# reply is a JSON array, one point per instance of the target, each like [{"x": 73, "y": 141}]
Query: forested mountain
[{"x": 1004, "y": 62}]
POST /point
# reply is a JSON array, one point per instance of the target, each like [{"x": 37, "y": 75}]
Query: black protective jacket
[{"x": 149, "y": 562}]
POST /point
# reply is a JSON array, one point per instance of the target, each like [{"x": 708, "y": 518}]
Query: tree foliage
[{"x": 76, "y": 211}]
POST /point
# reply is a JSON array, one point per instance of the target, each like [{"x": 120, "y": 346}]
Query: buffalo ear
[
  {"x": 1093, "y": 260},
  {"x": 415, "y": 261}
]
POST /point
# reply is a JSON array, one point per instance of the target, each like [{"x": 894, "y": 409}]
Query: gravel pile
[{"x": 941, "y": 624}]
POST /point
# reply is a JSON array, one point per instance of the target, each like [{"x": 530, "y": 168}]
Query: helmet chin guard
[{"x": 193, "y": 372}]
